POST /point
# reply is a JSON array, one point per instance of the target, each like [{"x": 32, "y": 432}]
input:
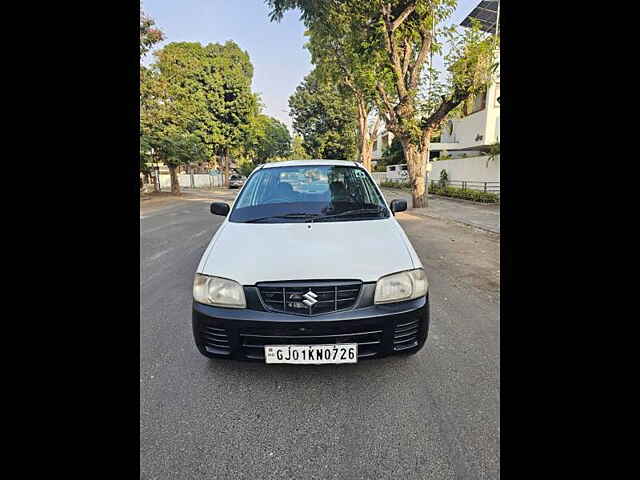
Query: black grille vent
[
  {"x": 405, "y": 335},
  {"x": 328, "y": 296},
  {"x": 252, "y": 341},
  {"x": 215, "y": 340}
]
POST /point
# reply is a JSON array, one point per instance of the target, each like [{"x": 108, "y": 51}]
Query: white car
[
  {"x": 310, "y": 266},
  {"x": 236, "y": 181}
]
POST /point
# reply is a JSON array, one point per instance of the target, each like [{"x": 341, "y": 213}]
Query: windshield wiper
[
  {"x": 306, "y": 216},
  {"x": 357, "y": 212}
]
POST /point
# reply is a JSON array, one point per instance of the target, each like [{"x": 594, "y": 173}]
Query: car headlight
[
  {"x": 219, "y": 292},
  {"x": 401, "y": 286}
]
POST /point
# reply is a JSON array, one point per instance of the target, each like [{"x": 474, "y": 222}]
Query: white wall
[
  {"x": 379, "y": 177},
  {"x": 377, "y": 153},
  {"x": 492, "y": 133},
  {"x": 465, "y": 130},
  {"x": 200, "y": 180},
  {"x": 471, "y": 169},
  {"x": 486, "y": 122}
]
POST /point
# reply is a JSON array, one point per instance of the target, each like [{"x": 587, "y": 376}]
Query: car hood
[{"x": 251, "y": 253}]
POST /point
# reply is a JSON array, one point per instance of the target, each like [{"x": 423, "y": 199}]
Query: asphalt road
[{"x": 434, "y": 415}]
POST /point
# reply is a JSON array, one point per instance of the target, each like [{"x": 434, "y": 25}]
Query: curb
[
  {"x": 462, "y": 200},
  {"x": 461, "y": 222}
]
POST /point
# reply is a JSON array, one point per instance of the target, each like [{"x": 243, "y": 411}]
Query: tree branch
[
  {"x": 392, "y": 51},
  {"x": 408, "y": 50},
  {"x": 403, "y": 16},
  {"x": 376, "y": 125},
  {"x": 349, "y": 83},
  {"x": 448, "y": 104},
  {"x": 425, "y": 48},
  {"x": 362, "y": 116},
  {"x": 390, "y": 113}
]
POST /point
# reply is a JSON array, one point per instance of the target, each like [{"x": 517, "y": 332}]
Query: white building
[
  {"x": 479, "y": 128},
  {"x": 380, "y": 144}
]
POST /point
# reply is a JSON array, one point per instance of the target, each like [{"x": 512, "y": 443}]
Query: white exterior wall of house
[
  {"x": 473, "y": 169},
  {"x": 466, "y": 130},
  {"x": 481, "y": 128},
  {"x": 380, "y": 148},
  {"x": 493, "y": 109}
]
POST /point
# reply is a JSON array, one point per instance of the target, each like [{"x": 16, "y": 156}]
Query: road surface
[{"x": 434, "y": 415}]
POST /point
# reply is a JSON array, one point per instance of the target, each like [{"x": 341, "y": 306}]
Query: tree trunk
[
  {"x": 417, "y": 166},
  {"x": 366, "y": 153},
  {"x": 175, "y": 185},
  {"x": 365, "y": 147},
  {"x": 365, "y": 136},
  {"x": 362, "y": 134},
  {"x": 226, "y": 169}
]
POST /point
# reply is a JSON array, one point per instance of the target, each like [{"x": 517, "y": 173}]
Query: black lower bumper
[{"x": 379, "y": 330}]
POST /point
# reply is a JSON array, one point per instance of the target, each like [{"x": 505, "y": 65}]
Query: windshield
[{"x": 304, "y": 193}]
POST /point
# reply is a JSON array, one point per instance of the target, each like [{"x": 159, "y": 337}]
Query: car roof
[{"x": 299, "y": 163}]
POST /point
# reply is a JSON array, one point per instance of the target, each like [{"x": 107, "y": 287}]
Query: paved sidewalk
[{"x": 483, "y": 216}]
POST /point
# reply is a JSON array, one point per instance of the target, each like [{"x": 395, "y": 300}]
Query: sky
[{"x": 280, "y": 61}]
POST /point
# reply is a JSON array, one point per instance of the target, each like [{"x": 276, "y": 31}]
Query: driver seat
[{"x": 339, "y": 192}]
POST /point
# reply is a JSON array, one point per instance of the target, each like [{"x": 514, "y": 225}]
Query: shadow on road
[{"x": 284, "y": 371}]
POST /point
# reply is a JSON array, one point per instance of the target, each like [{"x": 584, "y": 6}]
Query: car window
[{"x": 319, "y": 191}]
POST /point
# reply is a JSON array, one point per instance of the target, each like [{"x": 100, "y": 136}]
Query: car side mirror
[
  {"x": 398, "y": 205},
  {"x": 220, "y": 208}
]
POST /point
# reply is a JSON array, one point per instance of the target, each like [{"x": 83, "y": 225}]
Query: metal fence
[
  {"x": 491, "y": 187},
  {"x": 380, "y": 177}
]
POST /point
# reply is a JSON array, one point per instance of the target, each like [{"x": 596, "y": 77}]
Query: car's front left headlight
[
  {"x": 402, "y": 286},
  {"x": 219, "y": 292}
]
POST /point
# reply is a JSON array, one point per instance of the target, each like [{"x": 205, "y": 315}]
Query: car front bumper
[{"x": 379, "y": 330}]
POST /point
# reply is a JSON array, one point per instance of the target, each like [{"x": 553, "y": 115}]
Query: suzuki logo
[{"x": 310, "y": 299}]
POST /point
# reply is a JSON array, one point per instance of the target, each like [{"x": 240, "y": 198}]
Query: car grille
[
  {"x": 253, "y": 341},
  {"x": 405, "y": 335},
  {"x": 215, "y": 340},
  {"x": 328, "y": 296}
]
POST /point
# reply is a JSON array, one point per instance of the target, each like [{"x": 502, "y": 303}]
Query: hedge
[
  {"x": 393, "y": 184},
  {"x": 453, "y": 192},
  {"x": 467, "y": 194}
]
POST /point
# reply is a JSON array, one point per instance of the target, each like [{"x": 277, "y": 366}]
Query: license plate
[{"x": 312, "y": 354}]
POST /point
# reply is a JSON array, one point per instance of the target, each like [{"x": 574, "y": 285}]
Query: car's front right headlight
[
  {"x": 219, "y": 292},
  {"x": 401, "y": 286}
]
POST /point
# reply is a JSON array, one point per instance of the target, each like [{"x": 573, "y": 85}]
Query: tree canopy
[
  {"x": 397, "y": 38},
  {"x": 298, "y": 151},
  {"x": 335, "y": 47},
  {"x": 199, "y": 92},
  {"x": 325, "y": 117},
  {"x": 149, "y": 34},
  {"x": 205, "y": 91},
  {"x": 268, "y": 138}
]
